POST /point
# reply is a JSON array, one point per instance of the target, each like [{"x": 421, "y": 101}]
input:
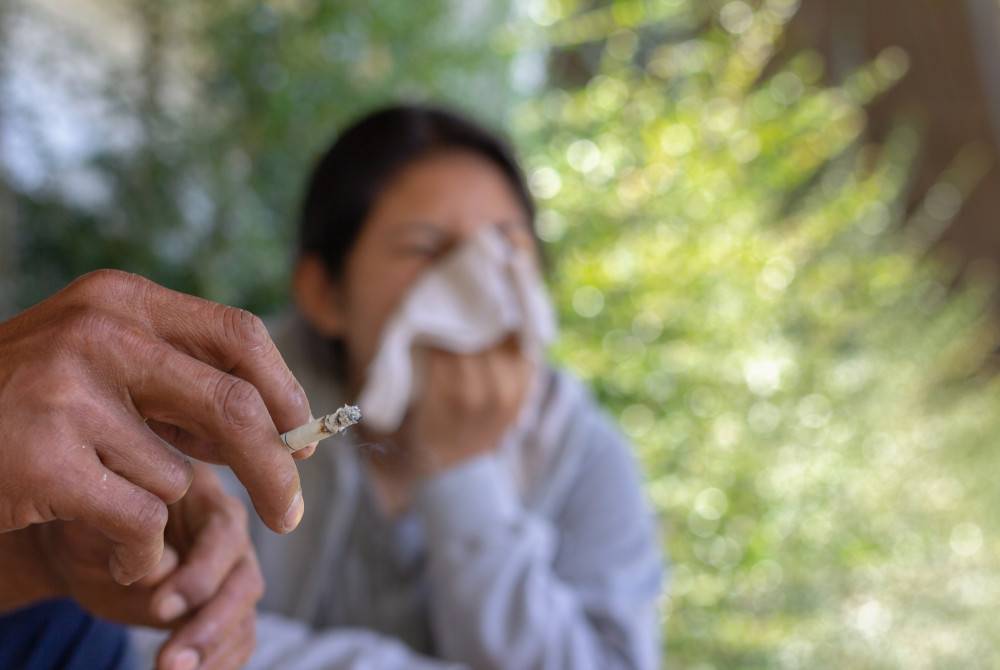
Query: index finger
[
  {"x": 227, "y": 412},
  {"x": 232, "y": 340}
]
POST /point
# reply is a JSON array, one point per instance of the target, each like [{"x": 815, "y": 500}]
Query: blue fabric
[{"x": 57, "y": 634}]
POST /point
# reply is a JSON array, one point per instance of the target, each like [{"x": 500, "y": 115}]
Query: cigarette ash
[{"x": 342, "y": 419}]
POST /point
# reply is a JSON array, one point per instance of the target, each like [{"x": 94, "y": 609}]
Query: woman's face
[{"x": 431, "y": 206}]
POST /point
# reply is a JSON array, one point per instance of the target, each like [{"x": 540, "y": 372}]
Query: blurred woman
[{"x": 499, "y": 523}]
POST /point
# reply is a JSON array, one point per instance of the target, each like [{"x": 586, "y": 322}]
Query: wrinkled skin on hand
[
  {"x": 204, "y": 589},
  {"x": 106, "y": 382}
]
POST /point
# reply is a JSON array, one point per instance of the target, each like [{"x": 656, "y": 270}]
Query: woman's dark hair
[{"x": 350, "y": 176}]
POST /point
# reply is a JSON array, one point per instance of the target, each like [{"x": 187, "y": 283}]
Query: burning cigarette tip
[{"x": 322, "y": 428}]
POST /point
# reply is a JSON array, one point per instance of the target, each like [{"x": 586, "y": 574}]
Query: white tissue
[{"x": 470, "y": 301}]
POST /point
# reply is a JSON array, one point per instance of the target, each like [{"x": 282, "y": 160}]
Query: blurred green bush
[
  {"x": 230, "y": 103},
  {"x": 807, "y": 389},
  {"x": 810, "y": 400}
]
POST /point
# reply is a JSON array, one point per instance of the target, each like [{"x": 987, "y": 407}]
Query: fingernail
[
  {"x": 171, "y": 607},
  {"x": 185, "y": 659},
  {"x": 294, "y": 514}
]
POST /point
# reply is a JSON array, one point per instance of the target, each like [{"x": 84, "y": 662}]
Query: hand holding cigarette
[{"x": 99, "y": 380}]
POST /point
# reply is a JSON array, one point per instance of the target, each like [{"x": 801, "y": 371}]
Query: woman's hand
[
  {"x": 205, "y": 587},
  {"x": 466, "y": 404}
]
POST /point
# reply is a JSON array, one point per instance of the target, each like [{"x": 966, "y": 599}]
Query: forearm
[
  {"x": 496, "y": 600},
  {"x": 24, "y": 576}
]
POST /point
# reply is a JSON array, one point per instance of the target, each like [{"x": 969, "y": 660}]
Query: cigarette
[{"x": 321, "y": 428}]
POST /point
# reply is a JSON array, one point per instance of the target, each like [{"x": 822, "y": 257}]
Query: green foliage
[
  {"x": 807, "y": 397},
  {"x": 807, "y": 393},
  {"x": 234, "y": 101}
]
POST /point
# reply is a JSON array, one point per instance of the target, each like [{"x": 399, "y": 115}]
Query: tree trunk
[{"x": 947, "y": 92}]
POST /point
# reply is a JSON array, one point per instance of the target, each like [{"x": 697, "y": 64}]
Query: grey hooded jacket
[{"x": 542, "y": 555}]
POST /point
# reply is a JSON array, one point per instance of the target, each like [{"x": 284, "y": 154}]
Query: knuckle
[
  {"x": 198, "y": 588},
  {"x": 49, "y": 474},
  {"x": 156, "y": 353},
  {"x": 246, "y": 328},
  {"x": 150, "y": 515},
  {"x": 103, "y": 279},
  {"x": 92, "y": 327},
  {"x": 239, "y": 403},
  {"x": 177, "y": 474},
  {"x": 67, "y": 394},
  {"x": 106, "y": 285}
]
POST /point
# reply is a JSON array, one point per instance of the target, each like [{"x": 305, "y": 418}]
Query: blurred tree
[
  {"x": 231, "y": 102},
  {"x": 952, "y": 48},
  {"x": 810, "y": 401}
]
